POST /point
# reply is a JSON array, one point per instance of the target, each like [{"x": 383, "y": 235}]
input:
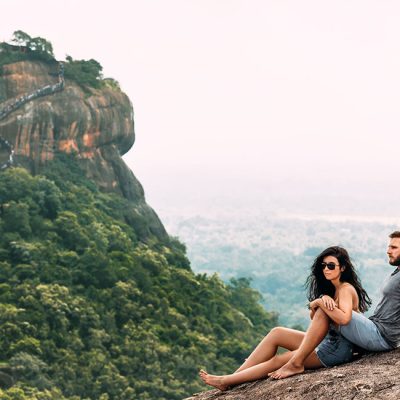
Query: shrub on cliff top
[
  {"x": 26, "y": 48},
  {"x": 86, "y": 73}
]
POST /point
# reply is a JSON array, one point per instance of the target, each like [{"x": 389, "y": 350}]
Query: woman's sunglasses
[{"x": 331, "y": 266}]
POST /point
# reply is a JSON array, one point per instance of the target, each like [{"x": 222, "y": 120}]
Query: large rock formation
[
  {"x": 97, "y": 125},
  {"x": 372, "y": 377}
]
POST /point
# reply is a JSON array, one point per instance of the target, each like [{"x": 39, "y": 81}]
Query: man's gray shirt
[{"x": 387, "y": 313}]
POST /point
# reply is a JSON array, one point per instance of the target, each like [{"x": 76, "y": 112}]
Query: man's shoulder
[
  {"x": 394, "y": 276},
  {"x": 395, "y": 272}
]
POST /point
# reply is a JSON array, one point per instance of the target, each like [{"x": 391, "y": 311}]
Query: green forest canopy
[{"x": 89, "y": 311}]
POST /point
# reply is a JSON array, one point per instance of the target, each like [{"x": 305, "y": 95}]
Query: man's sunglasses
[{"x": 331, "y": 266}]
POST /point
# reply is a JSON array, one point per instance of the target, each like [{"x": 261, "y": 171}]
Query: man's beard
[{"x": 395, "y": 262}]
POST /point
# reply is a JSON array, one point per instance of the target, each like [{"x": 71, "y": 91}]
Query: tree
[
  {"x": 87, "y": 73},
  {"x": 42, "y": 47},
  {"x": 21, "y": 38},
  {"x": 16, "y": 218}
]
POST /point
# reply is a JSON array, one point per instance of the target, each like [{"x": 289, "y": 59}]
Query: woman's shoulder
[{"x": 347, "y": 287}]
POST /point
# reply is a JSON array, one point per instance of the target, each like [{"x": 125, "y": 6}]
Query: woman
[{"x": 334, "y": 291}]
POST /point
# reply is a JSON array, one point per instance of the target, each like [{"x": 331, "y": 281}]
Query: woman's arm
[
  {"x": 312, "y": 306},
  {"x": 341, "y": 314}
]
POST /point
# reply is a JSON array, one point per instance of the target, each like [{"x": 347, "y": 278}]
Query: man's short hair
[{"x": 395, "y": 234}]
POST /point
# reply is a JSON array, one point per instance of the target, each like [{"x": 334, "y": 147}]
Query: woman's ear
[{"x": 342, "y": 269}]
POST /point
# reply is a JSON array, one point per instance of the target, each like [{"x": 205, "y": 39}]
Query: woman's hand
[
  {"x": 313, "y": 305},
  {"x": 340, "y": 312},
  {"x": 328, "y": 302}
]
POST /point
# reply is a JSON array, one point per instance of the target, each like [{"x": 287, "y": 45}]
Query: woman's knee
[
  {"x": 320, "y": 314},
  {"x": 284, "y": 337},
  {"x": 274, "y": 334},
  {"x": 277, "y": 331}
]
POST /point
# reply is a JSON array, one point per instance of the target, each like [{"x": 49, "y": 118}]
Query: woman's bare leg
[
  {"x": 289, "y": 339},
  {"x": 259, "y": 371},
  {"x": 314, "y": 335}
]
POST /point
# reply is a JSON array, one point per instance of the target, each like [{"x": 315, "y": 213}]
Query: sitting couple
[{"x": 337, "y": 300}]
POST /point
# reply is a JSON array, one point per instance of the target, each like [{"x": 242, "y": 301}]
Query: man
[{"x": 380, "y": 332}]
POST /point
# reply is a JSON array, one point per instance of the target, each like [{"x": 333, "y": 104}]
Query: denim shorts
[{"x": 334, "y": 349}]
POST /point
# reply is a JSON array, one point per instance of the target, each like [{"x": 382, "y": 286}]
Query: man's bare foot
[
  {"x": 213, "y": 380},
  {"x": 289, "y": 369}
]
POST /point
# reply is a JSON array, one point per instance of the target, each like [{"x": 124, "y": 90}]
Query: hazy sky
[{"x": 241, "y": 90}]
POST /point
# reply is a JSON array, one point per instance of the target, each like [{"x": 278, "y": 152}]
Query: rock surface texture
[
  {"x": 97, "y": 126},
  {"x": 375, "y": 376}
]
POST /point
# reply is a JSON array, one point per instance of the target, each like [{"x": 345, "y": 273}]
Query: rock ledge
[{"x": 374, "y": 376}]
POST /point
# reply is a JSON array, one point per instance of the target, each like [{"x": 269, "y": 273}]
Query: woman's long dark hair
[{"x": 318, "y": 285}]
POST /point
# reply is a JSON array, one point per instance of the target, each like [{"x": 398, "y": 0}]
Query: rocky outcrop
[
  {"x": 14, "y": 104},
  {"x": 97, "y": 126},
  {"x": 373, "y": 376}
]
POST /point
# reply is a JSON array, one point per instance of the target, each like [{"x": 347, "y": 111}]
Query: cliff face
[
  {"x": 98, "y": 127},
  {"x": 372, "y": 377}
]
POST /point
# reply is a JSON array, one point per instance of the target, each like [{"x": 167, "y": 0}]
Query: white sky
[{"x": 241, "y": 90}]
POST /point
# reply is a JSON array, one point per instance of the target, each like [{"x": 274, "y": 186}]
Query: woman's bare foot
[
  {"x": 213, "y": 380},
  {"x": 289, "y": 369}
]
